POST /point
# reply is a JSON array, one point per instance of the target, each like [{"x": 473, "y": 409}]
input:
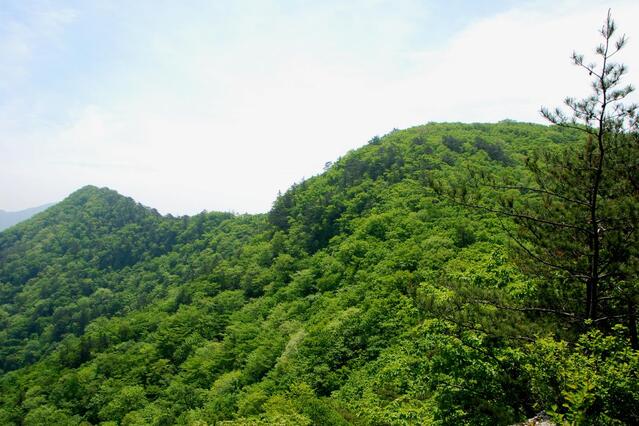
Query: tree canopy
[{"x": 363, "y": 297}]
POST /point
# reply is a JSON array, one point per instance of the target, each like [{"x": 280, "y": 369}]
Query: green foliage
[
  {"x": 359, "y": 299},
  {"x": 576, "y": 209},
  {"x": 596, "y": 383},
  {"x": 494, "y": 150}
]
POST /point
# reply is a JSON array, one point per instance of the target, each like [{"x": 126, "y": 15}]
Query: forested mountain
[
  {"x": 363, "y": 297},
  {"x": 8, "y": 219}
]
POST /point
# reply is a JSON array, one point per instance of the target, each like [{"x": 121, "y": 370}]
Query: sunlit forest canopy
[{"x": 362, "y": 297}]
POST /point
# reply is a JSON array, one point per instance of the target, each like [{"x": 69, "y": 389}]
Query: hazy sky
[{"x": 217, "y": 105}]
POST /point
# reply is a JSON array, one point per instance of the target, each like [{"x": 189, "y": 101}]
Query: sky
[{"x": 218, "y": 105}]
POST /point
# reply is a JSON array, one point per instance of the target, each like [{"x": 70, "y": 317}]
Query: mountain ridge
[
  {"x": 10, "y": 218},
  {"x": 350, "y": 302}
]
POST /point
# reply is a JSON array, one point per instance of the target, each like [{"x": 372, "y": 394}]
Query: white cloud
[
  {"x": 509, "y": 65},
  {"x": 224, "y": 124}
]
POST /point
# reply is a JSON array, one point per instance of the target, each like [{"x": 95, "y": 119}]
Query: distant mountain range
[{"x": 8, "y": 219}]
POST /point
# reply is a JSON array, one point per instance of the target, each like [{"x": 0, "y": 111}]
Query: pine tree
[
  {"x": 595, "y": 188},
  {"x": 577, "y": 219}
]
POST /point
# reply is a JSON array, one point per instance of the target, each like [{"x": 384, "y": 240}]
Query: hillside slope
[
  {"x": 353, "y": 301},
  {"x": 58, "y": 270}
]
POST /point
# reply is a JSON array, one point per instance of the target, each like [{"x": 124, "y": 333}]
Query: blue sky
[{"x": 217, "y": 105}]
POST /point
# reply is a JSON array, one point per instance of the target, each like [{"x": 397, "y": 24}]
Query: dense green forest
[
  {"x": 372, "y": 294},
  {"x": 444, "y": 274}
]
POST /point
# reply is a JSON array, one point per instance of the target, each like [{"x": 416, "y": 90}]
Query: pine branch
[
  {"x": 518, "y": 215},
  {"x": 527, "y": 309},
  {"x": 536, "y": 190},
  {"x": 569, "y": 271}
]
